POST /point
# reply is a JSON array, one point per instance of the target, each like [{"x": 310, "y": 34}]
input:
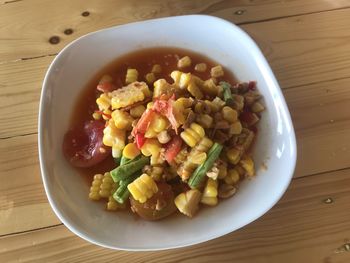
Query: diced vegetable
[
  {"x": 173, "y": 148},
  {"x": 227, "y": 92},
  {"x": 122, "y": 192},
  {"x": 199, "y": 174},
  {"x": 126, "y": 170}
]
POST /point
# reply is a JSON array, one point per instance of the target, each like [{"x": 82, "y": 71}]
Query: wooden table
[{"x": 307, "y": 43}]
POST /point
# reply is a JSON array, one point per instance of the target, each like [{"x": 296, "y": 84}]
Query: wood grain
[
  {"x": 28, "y": 35},
  {"x": 23, "y": 203},
  {"x": 322, "y": 121},
  {"x": 300, "y": 228}
]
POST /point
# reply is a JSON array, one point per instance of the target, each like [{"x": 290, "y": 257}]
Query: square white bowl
[{"x": 215, "y": 38}]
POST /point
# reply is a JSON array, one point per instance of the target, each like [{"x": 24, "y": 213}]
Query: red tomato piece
[
  {"x": 173, "y": 148},
  {"x": 83, "y": 147},
  {"x": 140, "y": 140}
]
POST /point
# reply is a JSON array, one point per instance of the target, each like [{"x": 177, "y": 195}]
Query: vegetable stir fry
[{"x": 179, "y": 142}]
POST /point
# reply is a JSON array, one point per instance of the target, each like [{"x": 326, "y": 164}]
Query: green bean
[
  {"x": 126, "y": 170},
  {"x": 199, "y": 174},
  {"x": 122, "y": 193},
  {"x": 124, "y": 160},
  {"x": 227, "y": 92},
  {"x": 117, "y": 160}
]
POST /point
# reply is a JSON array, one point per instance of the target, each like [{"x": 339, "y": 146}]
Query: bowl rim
[{"x": 45, "y": 88}]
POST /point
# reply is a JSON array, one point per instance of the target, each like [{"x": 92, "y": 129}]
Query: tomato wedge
[
  {"x": 83, "y": 147},
  {"x": 173, "y": 148}
]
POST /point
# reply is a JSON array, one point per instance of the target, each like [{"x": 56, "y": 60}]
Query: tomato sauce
[{"x": 142, "y": 60}]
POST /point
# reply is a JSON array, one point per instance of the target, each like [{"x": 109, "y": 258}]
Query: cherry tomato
[
  {"x": 84, "y": 147},
  {"x": 160, "y": 205},
  {"x": 172, "y": 148}
]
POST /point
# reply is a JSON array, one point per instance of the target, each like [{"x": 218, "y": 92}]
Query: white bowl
[{"x": 213, "y": 37}]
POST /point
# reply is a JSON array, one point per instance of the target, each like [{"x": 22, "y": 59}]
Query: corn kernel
[
  {"x": 235, "y": 128},
  {"x": 96, "y": 116},
  {"x": 194, "y": 90},
  {"x": 217, "y": 71},
  {"x": 205, "y": 120},
  {"x": 184, "y": 62},
  {"x": 137, "y": 111},
  {"x": 248, "y": 165},
  {"x": 257, "y": 107},
  {"x": 233, "y": 155},
  {"x": 201, "y": 67},
  {"x": 229, "y": 114},
  {"x": 150, "y": 78},
  {"x": 103, "y": 102},
  {"x": 156, "y": 69},
  {"x": 232, "y": 177},
  {"x": 210, "y": 192},
  {"x": 159, "y": 123},
  {"x": 198, "y": 158},
  {"x": 130, "y": 151},
  {"x": 151, "y": 147},
  {"x": 122, "y": 120},
  {"x": 143, "y": 188},
  {"x": 131, "y": 75}
]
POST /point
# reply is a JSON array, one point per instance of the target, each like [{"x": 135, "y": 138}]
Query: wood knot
[
  {"x": 239, "y": 12},
  {"x": 85, "y": 13},
  {"x": 328, "y": 200},
  {"x": 68, "y": 31},
  {"x": 54, "y": 40}
]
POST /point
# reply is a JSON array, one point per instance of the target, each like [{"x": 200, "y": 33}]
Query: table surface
[{"x": 307, "y": 44}]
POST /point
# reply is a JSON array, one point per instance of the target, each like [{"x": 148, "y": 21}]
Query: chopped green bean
[
  {"x": 126, "y": 170},
  {"x": 227, "y": 92},
  {"x": 122, "y": 193},
  {"x": 199, "y": 174},
  {"x": 124, "y": 160}
]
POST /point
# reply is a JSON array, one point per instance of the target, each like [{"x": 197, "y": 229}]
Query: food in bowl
[{"x": 164, "y": 130}]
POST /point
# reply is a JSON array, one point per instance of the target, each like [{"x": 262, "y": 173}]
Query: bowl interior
[{"x": 213, "y": 37}]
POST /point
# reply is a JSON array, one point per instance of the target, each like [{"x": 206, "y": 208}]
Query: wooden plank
[
  {"x": 23, "y": 203},
  {"x": 302, "y": 227},
  {"x": 29, "y": 35},
  {"x": 306, "y": 49},
  {"x": 321, "y": 117},
  {"x": 20, "y": 87}
]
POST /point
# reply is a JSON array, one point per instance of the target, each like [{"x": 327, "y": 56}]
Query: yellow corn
[
  {"x": 103, "y": 102},
  {"x": 137, "y": 111},
  {"x": 233, "y": 155},
  {"x": 130, "y": 151},
  {"x": 209, "y": 87},
  {"x": 229, "y": 114},
  {"x": 201, "y": 67},
  {"x": 180, "y": 78},
  {"x": 248, "y": 165},
  {"x": 156, "y": 159},
  {"x": 156, "y": 69},
  {"x": 193, "y": 134},
  {"x": 235, "y": 128},
  {"x": 134, "y": 92},
  {"x": 106, "y": 185},
  {"x": 217, "y": 71},
  {"x": 187, "y": 202},
  {"x": 205, "y": 120},
  {"x": 232, "y": 177},
  {"x": 96, "y": 116},
  {"x": 159, "y": 123},
  {"x": 143, "y": 188},
  {"x": 198, "y": 158},
  {"x": 131, "y": 75},
  {"x": 95, "y": 187},
  {"x": 210, "y": 193},
  {"x": 113, "y": 205},
  {"x": 156, "y": 172},
  {"x": 122, "y": 119},
  {"x": 114, "y": 137},
  {"x": 257, "y": 107},
  {"x": 150, "y": 105},
  {"x": 184, "y": 62},
  {"x": 161, "y": 86},
  {"x": 106, "y": 113},
  {"x": 150, "y": 78},
  {"x": 150, "y": 133},
  {"x": 186, "y": 102},
  {"x": 151, "y": 147},
  {"x": 194, "y": 90},
  {"x": 222, "y": 166}
]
